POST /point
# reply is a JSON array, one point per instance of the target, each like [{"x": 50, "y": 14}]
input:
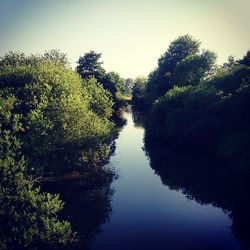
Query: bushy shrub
[
  {"x": 63, "y": 115},
  {"x": 28, "y": 216}
]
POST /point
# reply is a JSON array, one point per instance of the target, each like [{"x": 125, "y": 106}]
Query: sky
[{"x": 130, "y": 34}]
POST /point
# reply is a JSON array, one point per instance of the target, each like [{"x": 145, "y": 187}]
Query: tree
[
  {"x": 90, "y": 66},
  {"x": 194, "y": 69},
  {"x": 62, "y": 117},
  {"x": 182, "y": 64},
  {"x": 56, "y": 56},
  {"x": 231, "y": 62},
  {"x": 178, "y": 50},
  {"x": 100, "y": 101},
  {"x": 138, "y": 92},
  {"x": 28, "y": 217},
  {"x": 210, "y": 114},
  {"x": 246, "y": 59},
  {"x": 114, "y": 83},
  {"x": 18, "y": 58}
]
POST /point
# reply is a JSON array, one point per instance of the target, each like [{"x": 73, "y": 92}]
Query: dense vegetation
[
  {"x": 28, "y": 216},
  {"x": 66, "y": 119},
  {"x": 138, "y": 93},
  {"x": 90, "y": 66},
  {"x": 52, "y": 120},
  {"x": 193, "y": 102}
]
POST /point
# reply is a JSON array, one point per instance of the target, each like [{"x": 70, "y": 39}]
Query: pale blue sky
[{"x": 131, "y": 35}]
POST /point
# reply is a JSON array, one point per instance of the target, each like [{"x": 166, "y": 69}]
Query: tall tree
[
  {"x": 90, "y": 66},
  {"x": 28, "y": 216},
  {"x": 182, "y": 64}
]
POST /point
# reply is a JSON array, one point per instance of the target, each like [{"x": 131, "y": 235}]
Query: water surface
[{"x": 147, "y": 214}]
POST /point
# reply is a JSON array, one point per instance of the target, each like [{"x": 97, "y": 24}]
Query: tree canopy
[
  {"x": 191, "y": 101},
  {"x": 90, "y": 66},
  {"x": 182, "y": 64},
  {"x": 59, "y": 109}
]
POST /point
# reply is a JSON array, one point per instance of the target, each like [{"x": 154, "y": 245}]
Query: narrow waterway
[{"x": 147, "y": 214}]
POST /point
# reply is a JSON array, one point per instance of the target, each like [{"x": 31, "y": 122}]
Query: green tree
[
  {"x": 100, "y": 99},
  {"x": 28, "y": 217},
  {"x": 211, "y": 115},
  {"x": 18, "y": 58},
  {"x": 138, "y": 92},
  {"x": 62, "y": 117},
  {"x": 182, "y": 64},
  {"x": 58, "y": 57},
  {"x": 89, "y": 66},
  {"x": 114, "y": 83},
  {"x": 194, "y": 69}
]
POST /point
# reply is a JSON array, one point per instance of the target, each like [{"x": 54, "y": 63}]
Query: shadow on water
[
  {"x": 87, "y": 202},
  {"x": 206, "y": 180}
]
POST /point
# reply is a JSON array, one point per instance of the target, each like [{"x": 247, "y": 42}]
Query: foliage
[
  {"x": 18, "y": 58},
  {"x": 89, "y": 66},
  {"x": 182, "y": 64},
  {"x": 100, "y": 99},
  {"x": 231, "y": 62},
  {"x": 63, "y": 116},
  {"x": 203, "y": 107},
  {"x": 28, "y": 216},
  {"x": 114, "y": 83},
  {"x": 138, "y": 92},
  {"x": 56, "y": 56},
  {"x": 179, "y": 114},
  {"x": 246, "y": 59}
]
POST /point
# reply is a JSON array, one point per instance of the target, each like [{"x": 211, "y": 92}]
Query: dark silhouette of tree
[
  {"x": 246, "y": 59},
  {"x": 90, "y": 66}
]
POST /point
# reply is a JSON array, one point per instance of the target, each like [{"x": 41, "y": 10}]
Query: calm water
[{"x": 147, "y": 214}]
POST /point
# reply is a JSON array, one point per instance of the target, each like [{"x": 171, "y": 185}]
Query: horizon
[{"x": 131, "y": 35}]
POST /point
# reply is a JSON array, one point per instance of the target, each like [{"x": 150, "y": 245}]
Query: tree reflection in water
[
  {"x": 87, "y": 201},
  {"x": 206, "y": 180}
]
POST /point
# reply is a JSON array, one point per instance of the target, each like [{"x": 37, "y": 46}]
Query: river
[{"x": 149, "y": 214}]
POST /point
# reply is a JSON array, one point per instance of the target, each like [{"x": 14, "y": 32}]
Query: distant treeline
[
  {"x": 53, "y": 119},
  {"x": 194, "y": 103}
]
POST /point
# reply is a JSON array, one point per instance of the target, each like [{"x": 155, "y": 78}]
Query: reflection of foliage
[
  {"x": 138, "y": 118},
  {"x": 207, "y": 180},
  {"x": 27, "y": 216},
  {"x": 89, "y": 206}
]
